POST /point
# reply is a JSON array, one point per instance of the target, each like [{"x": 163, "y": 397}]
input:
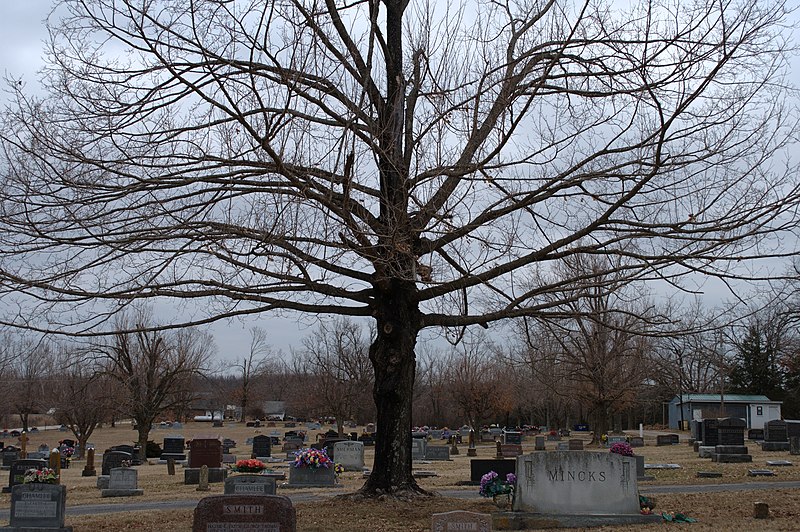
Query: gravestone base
[
  {"x": 530, "y": 520},
  {"x": 705, "y": 451},
  {"x": 34, "y": 529},
  {"x": 191, "y": 475},
  {"x": 102, "y": 482},
  {"x": 89, "y": 473},
  {"x": 775, "y": 446},
  {"x": 731, "y": 458},
  {"x": 730, "y": 449},
  {"x": 121, "y": 492}
]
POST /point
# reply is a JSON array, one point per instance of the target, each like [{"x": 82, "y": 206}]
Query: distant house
[{"x": 754, "y": 409}]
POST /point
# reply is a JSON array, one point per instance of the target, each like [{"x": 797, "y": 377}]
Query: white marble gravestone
[
  {"x": 576, "y": 483},
  {"x": 350, "y": 454}
]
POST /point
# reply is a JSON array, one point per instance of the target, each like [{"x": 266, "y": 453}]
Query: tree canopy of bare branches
[{"x": 420, "y": 163}]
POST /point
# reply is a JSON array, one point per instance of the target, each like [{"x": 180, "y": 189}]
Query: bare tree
[
  {"x": 155, "y": 370},
  {"x": 335, "y": 360},
  {"x": 84, "y": 396},
  {"x": 470, "y": 375},
  {"x": 420, "y": 164},
  {"x": 251, "y": 366},
  {"x": 28, "y": 373}
]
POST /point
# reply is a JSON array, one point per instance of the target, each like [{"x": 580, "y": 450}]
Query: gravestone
[
  {"x": 776, "y": 430},
  {"x": 709, "y": 430},
  {"x": 418, "y": 448},
  {"x": 794, "y": 445},
  {"x": 510, "y": 450},
  {"x": 637, "y": 441},
  {"x": 776, "y": 436},
  {"x": 486, "y": 436},
  {"x": 437, "y": 452},
  {"x": 554, "y": 437},
  {"x": 205, "y": 452},
  {"x": 756, "y": 434},
  {"x": 250, "y": 485},
  {"x": 538, "y": 443},
  {"x": 16, "y": 474},
  {"x": 514, "y": 438},
  {"x": 730, "y": 431},
  {"x": 667, "y": 439},
  {"x": 577, "y": 483},
  {"x": 10, "y": 455},
  {"x": 460, "y": 520},
  {"x": 574, "y": 445},
  {"x": 329, "y": 443},
  {"x": 262, "y": 447},
  {"x": 479, "y": 467},
  {"x": 436, "y": 434},
  {"x": 38, "y": 506},
  {"x": 89, "y": 470},
  {"x": 350, "y": 454},
  {"x": 614, "y": 439},
  {"x": 251, "y": 513},
  {"x": 370, "y": 428},
  {"x": 122, "y": 482},
  {"x": 175, "y": 448},
  {"x": 112, "y": 459},
  {"x": 312, "y": 477},
  {"x": 291, "y": 445}
]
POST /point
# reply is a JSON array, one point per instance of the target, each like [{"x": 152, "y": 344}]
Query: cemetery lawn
[{"x": 715, "y": 511}]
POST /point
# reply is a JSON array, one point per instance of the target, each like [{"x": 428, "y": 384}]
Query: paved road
[{"x": 94, "y": 509}]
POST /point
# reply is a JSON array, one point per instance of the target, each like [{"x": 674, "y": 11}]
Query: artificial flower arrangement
[
  {"x": 67, "y": 451},
  {"x": 249, "y": 466},
  {"x": 339, "y": 468},
  {"x": 312, "y": 459},
  {"x": 492, "y": 485},
  {"x": 622, "y": 448},
  {"x": 40, "y": 476}
]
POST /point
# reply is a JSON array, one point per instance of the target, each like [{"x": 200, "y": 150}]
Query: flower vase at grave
[{"x": 502, "y": 500}]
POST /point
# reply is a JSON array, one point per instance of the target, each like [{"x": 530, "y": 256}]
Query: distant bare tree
[
  {"x": 29, "y": 364},
  {"x": 471, "y": 378},
  {"x": 250, "y": 367},
  {"x": 84, "y": 396},
  {"x": 424, "y": 165},
  {"x": 155, "y": 369},
  {"x": 335, "y": 359}
]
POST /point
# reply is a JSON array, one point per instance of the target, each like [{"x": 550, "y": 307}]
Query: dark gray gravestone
[
  {"x": 175, "y": 448},
  {"x": 755, "y": 434},
  {"x": 478, "y": 468},
  {"x": 262, "y": 446},
  {"x": 776, "y": 431},
  {"x": 710, "y": 435},
  {"x": 10, "y": 455},
  {"x": 418, "y": 447},
  {"x": 794, "y": 445},
  {"x": 37, "y": 506},
  {"x": 312, "y": 477},
  {"x": 253, "y": 513},
  {"x": 637, "y": 441},
  {"x": 731, "y": 431},
  {"x": 510, "y": 450},
  {"x": 250, "y": 485},
  {"x": 538, "y": 443},
  {"x": 437, "y": 452},
  {"x": 16, "y": 475},
  {"x": 513, "y": 438},
  {"x": 112, "y": 459}
]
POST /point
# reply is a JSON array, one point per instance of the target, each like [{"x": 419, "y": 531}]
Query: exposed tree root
[{"x": 406, "y": 493}]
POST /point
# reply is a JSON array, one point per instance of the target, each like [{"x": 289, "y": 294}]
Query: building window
[{"x": 759, "y": 410}]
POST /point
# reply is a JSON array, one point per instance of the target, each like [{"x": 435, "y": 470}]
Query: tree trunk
[
  {"x": 393, "y": 360},
  {"x": 144, "y": 431}
]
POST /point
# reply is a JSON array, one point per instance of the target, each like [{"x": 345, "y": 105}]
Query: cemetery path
[{"x": 96, "y": 509}]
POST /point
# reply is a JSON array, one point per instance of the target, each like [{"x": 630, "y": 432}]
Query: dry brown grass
[{"x": 715, "y": 511}]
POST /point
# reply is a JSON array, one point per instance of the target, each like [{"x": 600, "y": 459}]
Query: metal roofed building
[{"x": 754, "y": 409}]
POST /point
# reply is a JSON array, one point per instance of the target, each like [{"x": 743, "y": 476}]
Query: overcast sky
[{"x": 21, "y": 34}]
